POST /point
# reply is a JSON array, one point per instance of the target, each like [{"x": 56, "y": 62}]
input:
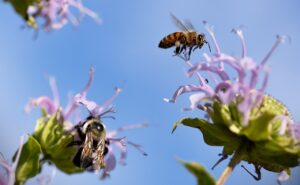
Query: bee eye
[{"x": 99, "y": 127}]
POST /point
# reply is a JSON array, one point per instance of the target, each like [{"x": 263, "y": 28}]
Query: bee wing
[
  {"x": 87, "y": 151},
  {"x": 189, "y": 25},
  {"x": 98, "y": 161},
  {"x": 184, "y": 26}
]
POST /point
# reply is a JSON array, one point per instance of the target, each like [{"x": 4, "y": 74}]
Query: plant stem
[
  {"x": 237, "y": 156},
  {"x": 225, "y": 175}
]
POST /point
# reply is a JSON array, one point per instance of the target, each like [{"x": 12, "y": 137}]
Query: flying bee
[
  {"x": 92, "y": 144},
  {"x": 187, "y": 38}
]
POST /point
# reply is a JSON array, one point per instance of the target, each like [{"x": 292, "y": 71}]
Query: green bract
[
  {"x": 54, "y": 142},
  {"x": 21, "y": 7},
  {"x": 50, "y": 140},
  {"x": 203, "y": 177},
  {"x": 28, "y": 165},
  {"x": 263, "y": 144}
]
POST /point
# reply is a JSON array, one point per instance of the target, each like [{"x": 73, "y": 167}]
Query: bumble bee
[
  {"x": 92, "y": 144},
  {"x": 186, "y": 38}
]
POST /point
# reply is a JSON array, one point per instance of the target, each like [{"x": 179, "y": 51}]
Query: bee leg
[
  {"x": 105, "y": 151},
  {"x": 195, "y": 48},
  {"x": 79, "y": 131},
  {"x": 183, "y": 48},
  {"x": 87, "y": 162},
  {"x": 176, "y": 51},
  {"x": 190, "y": 50},
  {"x": 76, "y": 159},
  {"x": 224, "y": 156},
  {"x": 257, "y": 171}
]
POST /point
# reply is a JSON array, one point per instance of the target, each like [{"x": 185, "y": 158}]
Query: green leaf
[
  {"x": 213, "y": 134},
  {"x": 28, "y": 165},
  {"x": 203, "y": 177}
]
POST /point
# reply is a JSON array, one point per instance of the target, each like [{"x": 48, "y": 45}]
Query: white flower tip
[
  {"x": 92, "y": 70},
  {"x": 280, "y": 38},
  {"x": 283, "y": 176},
  {"x": 31, "y": 10},
  {"x": 234, "y": 30},
  {"x": 283, "y": 38},
  {"x": 118, "y": 89},
  {"x": 238, "y": 30},
  {"x": 169, "y": 100},
  {"x": 207, "y": 26}
]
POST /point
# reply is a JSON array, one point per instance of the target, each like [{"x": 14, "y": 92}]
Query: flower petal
[
  {"x": 44, "y": 102},
  {"x": 283, "y": 176},
  {"x": 110, "y": 164}
]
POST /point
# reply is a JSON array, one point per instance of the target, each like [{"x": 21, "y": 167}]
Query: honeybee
[
  {"x": 92, "y": 144},
  {"x": 187, "y": 38}
]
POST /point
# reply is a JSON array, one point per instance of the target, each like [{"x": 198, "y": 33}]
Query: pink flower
[
  {"x": 51, "y": 105},
  {"x": 57, "y": 13},
  {"x": 120, "y": 144},
  {"x": 238, "y": 82},
  {"x": 244, "y": 88}
]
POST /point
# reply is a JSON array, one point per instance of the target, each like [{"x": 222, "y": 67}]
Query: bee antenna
[
  {"x": 112, "y": 117},
  {"x": 111, "y": 109},
  {"x": 208, "y": 45}
]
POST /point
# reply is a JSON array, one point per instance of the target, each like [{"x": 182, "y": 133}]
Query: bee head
[
  {"x": 94, "y": 126},
  {"x": 202, "y": 40}
]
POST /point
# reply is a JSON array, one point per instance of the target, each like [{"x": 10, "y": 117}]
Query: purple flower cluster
[
  {"x": 57, "y": 13},
  {"x": 246, "y": 90},
  {"x": 50, "y": 106}
]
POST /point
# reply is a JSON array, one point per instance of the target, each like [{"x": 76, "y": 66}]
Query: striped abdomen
[{"x": 169, "y": 40}]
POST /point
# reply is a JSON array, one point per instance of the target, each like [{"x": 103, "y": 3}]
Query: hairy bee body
[
  {"x": 175, "y": 39},
  {"x": 92, "y": 144},
  {"x": 188, "y": 38}
]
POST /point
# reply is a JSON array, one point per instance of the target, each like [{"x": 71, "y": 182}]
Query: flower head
[
  {"x": 54, "y": 13},
  {"x": 62, "y": 143},
  {"x": 51, "y": 105},
  {"x": 112, "y": 141},
  {"x": 240, "y": 104}
]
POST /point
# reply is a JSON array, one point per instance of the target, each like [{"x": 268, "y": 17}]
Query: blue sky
[{"x": 124, "y": 52}]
